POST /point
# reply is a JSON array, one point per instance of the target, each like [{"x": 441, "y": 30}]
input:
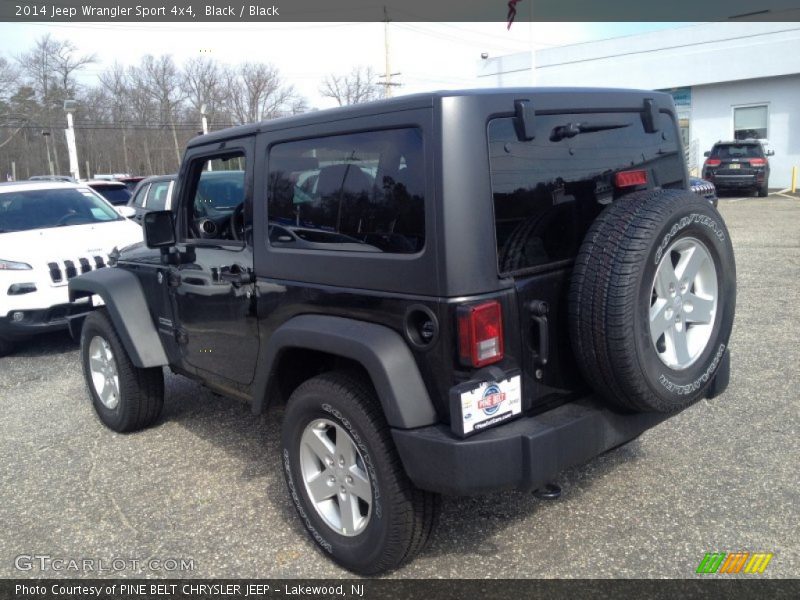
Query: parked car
[
  {"x": 115, "y": 192},
  {"x": 704, "y": 189},
  {"x": 155, "y": 193},
  {"x": 738, "y": 165},
  {"x": 65, "y": 178},
  {"x": 50, "y": 232},
  {"x": 542, "y": 287},
  {"x": 151, "y": 193},
  {"x": 131, "y": 182}
]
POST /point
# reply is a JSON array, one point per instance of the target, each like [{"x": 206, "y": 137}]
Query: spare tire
[{"x": 652, "y": 300}]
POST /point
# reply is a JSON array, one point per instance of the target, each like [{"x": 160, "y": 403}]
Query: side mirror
[
  {"x": 126, "y": 211},
  {"x": 770, "y": 152},
  {"x": 159, "y": 229},
  {"x": 707, "y": 153}
]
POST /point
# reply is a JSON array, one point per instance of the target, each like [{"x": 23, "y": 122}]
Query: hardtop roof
[{"x": 409, "y": 102}]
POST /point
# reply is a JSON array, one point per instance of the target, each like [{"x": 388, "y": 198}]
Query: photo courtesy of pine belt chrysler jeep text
[{"x": 451, "y": 293}]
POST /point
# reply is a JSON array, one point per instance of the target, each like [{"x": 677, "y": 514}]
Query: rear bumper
[
  {"x": 737, "y": 181},
  {"x": 523, "y": 454}
]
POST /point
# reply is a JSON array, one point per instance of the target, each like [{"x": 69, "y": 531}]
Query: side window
[
  {"x": 362, "y": 192},
  {"x": 138, "y": 199},
  {"x": 157, "y": 196},
  {"x": 217, "y": 190}
]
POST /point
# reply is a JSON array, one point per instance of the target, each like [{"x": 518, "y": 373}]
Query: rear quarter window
[{"x": 360, "y": 192}]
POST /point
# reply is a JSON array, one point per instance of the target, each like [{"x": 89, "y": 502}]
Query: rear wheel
[
  {"x": 652, "y": 300},
  {"x": 346, "y": 480},
  {"x": 763, "y": 191},
  {"x": 125, "y": 397}
]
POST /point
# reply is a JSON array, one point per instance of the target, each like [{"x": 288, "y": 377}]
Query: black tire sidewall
[
  {"x": 366, "y": 547},
  {"x": 676, "y": 389},
  {"x": 113, "y": 418}
]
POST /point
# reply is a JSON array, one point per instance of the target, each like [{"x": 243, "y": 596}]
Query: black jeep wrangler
[{"x": 450, "y": 293}]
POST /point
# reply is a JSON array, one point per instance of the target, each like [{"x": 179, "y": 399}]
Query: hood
[
  {"x": 140, "y": 253},
  {"x": 40, "y": 246}
]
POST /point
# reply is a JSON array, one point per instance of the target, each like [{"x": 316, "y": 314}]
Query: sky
[{"x": 429, "y": 56}]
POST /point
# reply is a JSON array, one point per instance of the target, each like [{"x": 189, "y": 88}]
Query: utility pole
[
  {"x": 388, "y": 84},
  {"x": 46, "y": 136}
]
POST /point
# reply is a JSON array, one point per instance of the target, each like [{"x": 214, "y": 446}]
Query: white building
[{"x": 728, "y": 80}]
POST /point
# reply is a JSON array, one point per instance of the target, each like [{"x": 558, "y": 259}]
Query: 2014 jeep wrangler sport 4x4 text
[{"x": 450, "y": 293}]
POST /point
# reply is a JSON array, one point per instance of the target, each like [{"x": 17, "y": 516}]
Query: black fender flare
[
  {"x": 380, "y": 350},
  {"x": 127, "y": 306}
]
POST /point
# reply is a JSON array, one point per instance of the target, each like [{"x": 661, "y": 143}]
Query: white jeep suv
[{"x": 51, "y": 232}]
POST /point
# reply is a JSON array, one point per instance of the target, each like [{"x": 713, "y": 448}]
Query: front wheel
[
  {"x": 5, "y": 347},
  {"x": 125, "y": 397},
  {"x": 346, "y": 480}
]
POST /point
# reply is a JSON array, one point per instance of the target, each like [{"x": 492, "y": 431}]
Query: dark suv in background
[{"x": 739, "y": 165}]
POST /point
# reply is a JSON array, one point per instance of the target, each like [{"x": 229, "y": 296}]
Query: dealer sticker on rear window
[{"x": 489, "y": 403}]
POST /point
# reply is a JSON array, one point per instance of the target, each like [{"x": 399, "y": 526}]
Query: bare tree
[
  {"x": 38, "y": 67},
  {"x": 50, "y": 68},
  {"x": 356, "y": 87},
  {"x": 66, "y": 63},
  {"x": 9, "y": 76},
  {"x": 257, "y": 93},
  {"x": 160, "y": 78},
  {"x": 203, "y": 82},
  {"x": 114, "y": 81}
]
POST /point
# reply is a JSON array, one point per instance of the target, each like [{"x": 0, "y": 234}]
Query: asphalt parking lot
[{"x": 205, "y": 484}]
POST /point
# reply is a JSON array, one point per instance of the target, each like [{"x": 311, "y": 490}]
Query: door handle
[{"x": 237, "y": 275}]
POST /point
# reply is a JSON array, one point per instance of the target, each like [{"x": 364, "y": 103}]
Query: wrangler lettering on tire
[{"x": 652, "y": 300}]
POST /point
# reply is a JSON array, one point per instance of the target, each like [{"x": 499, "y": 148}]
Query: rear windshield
[
  {"x": 737, "y": 151},
  {"x": 116, "y": 194},
  {"x": 39, "y": 209},
  {"x": 548, "y": 190}
]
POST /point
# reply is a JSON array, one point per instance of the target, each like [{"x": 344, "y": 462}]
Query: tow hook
[{"x": 550, "y": 491}]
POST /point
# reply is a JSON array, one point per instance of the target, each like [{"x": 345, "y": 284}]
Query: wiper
[{"x": 570, "y": 130}]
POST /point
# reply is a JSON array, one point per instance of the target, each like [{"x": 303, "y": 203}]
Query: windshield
[
  {"x": 737, "y": 151},
  {"x": 116, "y": 194},
  {"x": 219, "y": 191},
  {"x": 40, "y": 209}
]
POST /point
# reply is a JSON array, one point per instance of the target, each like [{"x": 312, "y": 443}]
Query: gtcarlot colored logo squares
[{"x": 734, "y": 562}]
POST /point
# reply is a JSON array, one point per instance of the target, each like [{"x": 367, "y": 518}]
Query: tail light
[
  {"x": 630, "y": 178},
  {"x": 480, "y": 334},
  {"x": 758, "y": 162},
  {"x": 713, "y": 162}
]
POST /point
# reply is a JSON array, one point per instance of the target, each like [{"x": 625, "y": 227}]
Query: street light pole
[
  {"x": 204, "y": 121},
  {"x": 69, "y": 107}
]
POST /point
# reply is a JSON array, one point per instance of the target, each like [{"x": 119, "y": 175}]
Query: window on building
[{"x": 750, "y": 122}]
